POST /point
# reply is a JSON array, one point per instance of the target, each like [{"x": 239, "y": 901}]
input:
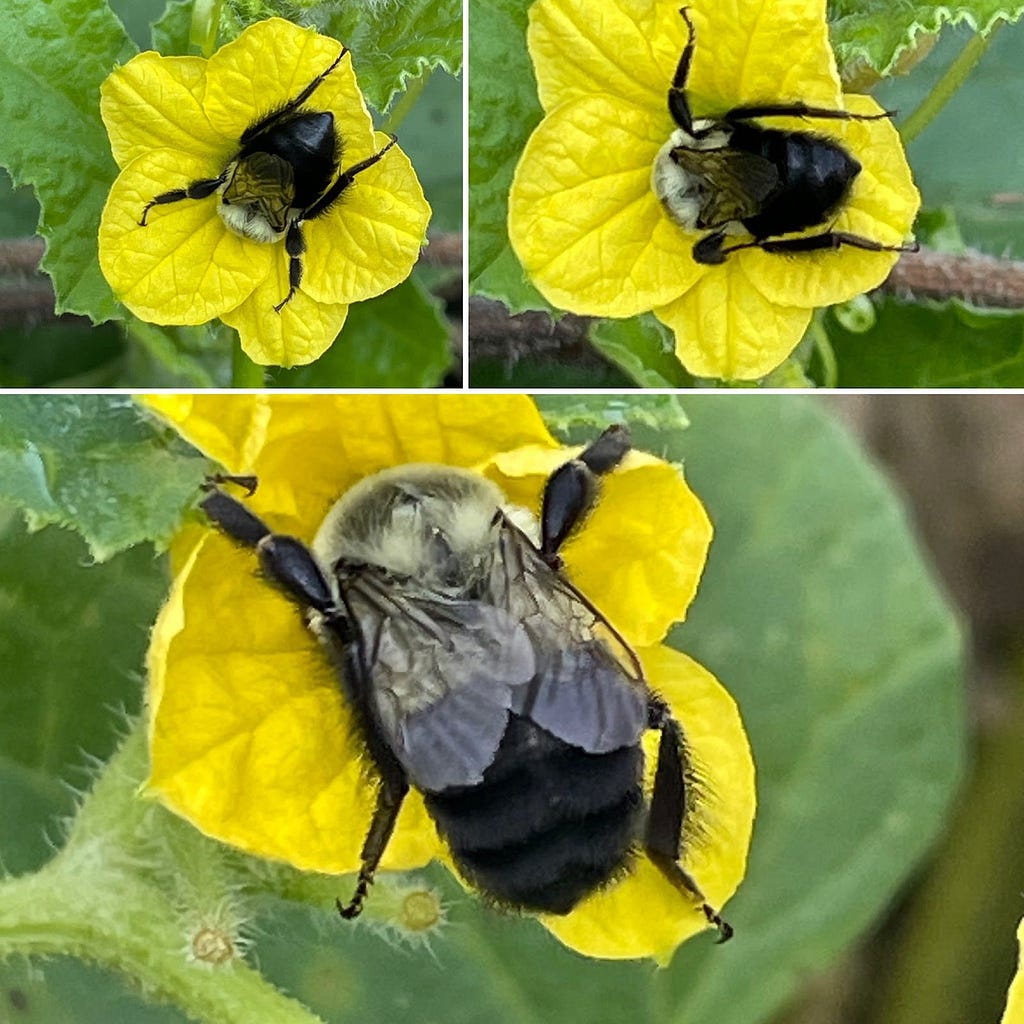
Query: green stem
[
  {"x": 202, "y": 31},
  {"x": 82, "y": 908},
  {"x": 406, "y": 102},
  {"x": 948, "y": 84},
  {"x": 244, "y": 372},
  {"x": 102, "y": 899},
  {"x": 823, "y": 346}
]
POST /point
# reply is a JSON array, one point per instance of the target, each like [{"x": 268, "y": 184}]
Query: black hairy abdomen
[
  {"x": 309, "y": 143},
  {"x": 549, "y": 823},
  {"x": 815, "y": 175}
]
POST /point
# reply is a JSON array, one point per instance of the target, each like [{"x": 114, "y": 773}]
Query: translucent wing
[
  {"x": 588, "y": 688},
  {"x": 441, "y": 675},
  {"x": 736, "y": 183}
]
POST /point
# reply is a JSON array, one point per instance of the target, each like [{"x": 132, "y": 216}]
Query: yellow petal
[
  {"x": 640, "y": 553},
  {"x": 1015, "y": 999},
  {"x": 753, "y": 51},
  {"x": 230, "y": 429},
  {"x": 184, "y": 266},
  {"x": 156, "y": 102},
  {"x": 724, "y": 326},
  {"x": 317, "y": 447},
  {"x": 644, "y": 914},
  {"x": 583, "y": 219},
  {"x": 250, "y": 736},
  {"x": 370, "y": 240},
  {"x": 301, "y": 332},
  {"x": 268, "y": 65},
  {"x": 881, "y": 207},
  {"x": 578, "y": 49}
]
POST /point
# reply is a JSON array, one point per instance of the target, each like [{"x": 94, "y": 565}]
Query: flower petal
[
  {"x": 230, "y": 429},
  {"x": 640, "y": 554},
  {"x": 755, "y": 51},
  {"x": 347, "y": 437},
  {"x": 250, "y": 737},
  {"x": 579, "y": 48},
  {"x": 155, "y": 102},
  {"x": 644, "y": 914},
  {"x": 271, "y": 63},
  {"x": 583, "y": 218},
  {"x": 724, "y": 326},
  {"x": 301, "y": 332},
  {"x": 184, "y": 266},
  {"x": 370, "y": 240},
  {"x": 881, "y": 207}
]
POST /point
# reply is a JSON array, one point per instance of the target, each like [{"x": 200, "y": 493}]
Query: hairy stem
[{"x": 948, "y": 84}]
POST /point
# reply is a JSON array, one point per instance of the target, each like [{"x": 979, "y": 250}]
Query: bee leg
[
  {"x": 571, "y": 490},
  {"x": 285, "y": 560},
  {"x": 389, "y": 802},
  {"x": 195, "y": 190},
  {"x": 800, "y": 110},
  {"x": 345, "y": 179},
  {"x": 678, "y": 104},
  {"x": 826, "y": 240},
  {"x": 663, "y": 836},
  {"x": 292, "y": 105},
  {"x": 295, "y": 246},
  {"x": 708, "y": 250}
]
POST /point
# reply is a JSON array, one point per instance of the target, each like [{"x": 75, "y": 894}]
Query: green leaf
[
  {"x": 644, "y": 348},
  {"x": 930, "y": 345},
  {"x": 966, "y": 159},
  {"x": 171, "y": 29},
  {"x": 398, "y": 340},
  {"x": 878, "y": 33},
  {"x": 393, "y": 43},
  {"x": 432, "y": 138},
  {"x": 97, "y": 465},
  {"x": 503, "y": 110},
  {"x": 72, "y": 639},
  {"x": 820, "y": 615},
  {"x": 53, "y": 57}
]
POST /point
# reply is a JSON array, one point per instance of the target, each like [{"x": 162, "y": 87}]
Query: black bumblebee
[
  {"x": 720, "y": 174},
  {"x": 285, "y": 172},
  {"x": 479, "y": 675}
]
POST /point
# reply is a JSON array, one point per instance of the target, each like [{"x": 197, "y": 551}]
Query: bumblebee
[
  {"x": 725, "y": 175},
  {"x": 284, "y": 172},
  {"x": 478, "y": 674}
]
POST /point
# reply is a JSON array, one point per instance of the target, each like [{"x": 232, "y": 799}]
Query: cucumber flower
[
  {"x": 1014, "y": 1013},
  {"x": 604, "y": 187},
  {"x": 250, "y": 737},
  {"x": 253, "y": 188}
]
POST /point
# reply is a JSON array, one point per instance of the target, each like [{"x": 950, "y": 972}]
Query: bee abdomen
[{"x": 548, "y": 824}]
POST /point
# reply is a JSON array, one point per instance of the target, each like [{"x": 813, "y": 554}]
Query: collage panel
[
  {"x": 764, "y": 193},
  {"x": 700, "y": 708},
  {"x": 237, "y": 194}
]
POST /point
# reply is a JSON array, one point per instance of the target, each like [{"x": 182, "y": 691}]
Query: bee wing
[
  {"x": 441, "y": 676},
  {"x": 737, "y": 182},
  {"x": 588, "y": 688}
]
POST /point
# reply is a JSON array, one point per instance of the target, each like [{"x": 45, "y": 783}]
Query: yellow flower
[
  {"x": 250, "y": 739},
  {"x": 174, "y": 121},
  {"x": 594, "y": 237}
]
